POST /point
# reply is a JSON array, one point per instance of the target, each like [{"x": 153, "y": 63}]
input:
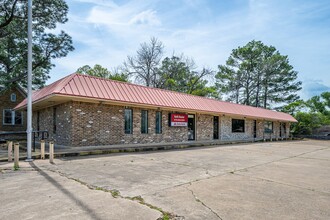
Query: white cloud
[
  {"x": 111, "y": 31},
  {"x": 148, "y": 17}
]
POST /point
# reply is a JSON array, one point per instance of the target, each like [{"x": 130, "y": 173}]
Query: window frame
[
  {"x": 232, "y": 125},
  {"x": 13, "y": 117},
  {"x": 130, "y": 123},
  {"x": 268, "y": 130},
  {"x": 159, "y": 128},
  {"x": 144, "y": 122},
  {"x": 11, "y": 97}
]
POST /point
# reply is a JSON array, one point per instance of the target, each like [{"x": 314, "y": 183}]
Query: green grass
[{"x": 16, "y": 167}]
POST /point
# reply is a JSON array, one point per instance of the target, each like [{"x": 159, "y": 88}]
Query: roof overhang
[{"x": 56, "y": 99}]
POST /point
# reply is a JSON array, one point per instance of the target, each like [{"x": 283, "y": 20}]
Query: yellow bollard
[
  {"x": 10, "y": 151},
  {"x": 16, "y": 155},
  {"x": 42, "y": 149},
  {"x": 51, "y": 152}
]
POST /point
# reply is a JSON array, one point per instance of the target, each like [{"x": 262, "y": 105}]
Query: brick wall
[
  {"x": 95, "y": 124},
  {"x": 6, "y": 103},
  {"x": 204, "y": 126},
  {"x": 63, "y": 122},
  {"x": 90, "y": 124},
  {"x": 226, "y": 129}
]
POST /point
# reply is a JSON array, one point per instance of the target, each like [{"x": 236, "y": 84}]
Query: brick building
[
  {"x": 80, "y": 110},
  {"x": 12, "y": 120}
]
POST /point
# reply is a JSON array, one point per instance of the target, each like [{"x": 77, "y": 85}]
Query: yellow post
[
  {"x": 10, "y": 151},
  {"x": 51, "y": 152},
  {"x": 42, "y": 149},
  {"x": 16, "y": 155}
]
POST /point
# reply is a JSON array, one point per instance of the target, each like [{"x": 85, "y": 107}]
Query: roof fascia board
[{"x": 193, "y": 111}]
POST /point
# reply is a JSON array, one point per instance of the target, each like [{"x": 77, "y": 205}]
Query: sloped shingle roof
[{"x": 90, "y": 87}]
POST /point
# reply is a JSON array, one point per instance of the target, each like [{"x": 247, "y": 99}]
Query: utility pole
[{"x": 29, "y": 99}]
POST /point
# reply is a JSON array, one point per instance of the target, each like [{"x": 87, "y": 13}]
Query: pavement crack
[
  {"x": 116, "y": 194},
  {"x": 201, "y": 202},
  {"x": 285, "y": 184},
  {"x": 282, "y": 159},
  {"x": 313, "y": 158}
]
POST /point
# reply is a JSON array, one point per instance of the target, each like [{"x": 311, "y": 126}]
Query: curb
[{"x": 134, "y": 149}]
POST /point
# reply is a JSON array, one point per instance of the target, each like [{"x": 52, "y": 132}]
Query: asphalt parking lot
[{"x": 271, "y": 180}]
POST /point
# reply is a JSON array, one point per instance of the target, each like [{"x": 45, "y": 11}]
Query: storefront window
[
  {"x": 128, "y": 121},
  {"x": 238, "y": 125},
  {"x": 268, "y": 127},
  {"x": 158, "y": 122},
  {"x": 144, "y": 121}
]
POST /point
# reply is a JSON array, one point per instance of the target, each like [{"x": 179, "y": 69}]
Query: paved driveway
[{"x": 273, "y": 180}]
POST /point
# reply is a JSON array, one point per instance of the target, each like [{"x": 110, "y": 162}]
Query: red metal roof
[{"x": 103, "y": 89}]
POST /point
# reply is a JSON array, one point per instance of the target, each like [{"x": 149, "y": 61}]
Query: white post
[
  {"x": 29, "y": 98},
  {"x": 16, "y": 155},
  {"x": 10, "y": 151},
  {"x": 51, "y": 152},
  {"x": 42, "y": 143}
]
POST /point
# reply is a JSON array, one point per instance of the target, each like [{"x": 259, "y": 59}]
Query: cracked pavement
[{"x": 272, "y": 180}]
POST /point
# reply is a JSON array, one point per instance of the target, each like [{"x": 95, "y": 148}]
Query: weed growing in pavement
[
  {"x": 115, "y": 193},
  {"x": 16, "y": 167}
]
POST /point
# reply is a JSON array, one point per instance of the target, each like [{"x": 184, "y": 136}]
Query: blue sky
[{"x": 105, "y": 32}]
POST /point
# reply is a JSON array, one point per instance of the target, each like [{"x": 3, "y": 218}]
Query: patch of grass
[
  {"x": 16, "y": 167},
  {"x": 115, "y": 193},
  {"x": 137, "y": 198},
  {"x": 166, "y": 217}
]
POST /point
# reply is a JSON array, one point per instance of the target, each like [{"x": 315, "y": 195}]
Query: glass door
[{"x": 191, "y": 127}]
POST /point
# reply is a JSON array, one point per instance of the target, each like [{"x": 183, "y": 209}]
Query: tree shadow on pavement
[{"x": 67, "y": 193}]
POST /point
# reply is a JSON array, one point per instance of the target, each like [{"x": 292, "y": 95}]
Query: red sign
[{"x": 179, "y": 120}]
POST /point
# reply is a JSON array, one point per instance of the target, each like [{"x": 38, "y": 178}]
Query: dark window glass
[
  {"x": 38, "y": 121},
  {"x": 7, "y": 116},
  {"x": 268, "y": 127},
  {"x": 158, "y": 122},
  {"x": 18, "y": 118},
  {"x": 237, "y": 125},
  {"x": 216, "y": 127},
  {"x": 54, "y": 120},
  {"x": 13, "y": 97},
  {"x": 128, "y": 121},
  {"x": 144, "y": 121}
]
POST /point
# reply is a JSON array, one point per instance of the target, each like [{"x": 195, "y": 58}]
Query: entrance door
[
  {"x": 191, "y": 127},
  {"x": 281, "y": 132},
  {"x": 255, "y": 129},
  {"x": 284, "y": 129},
  {"x": 216, "y": 127}
]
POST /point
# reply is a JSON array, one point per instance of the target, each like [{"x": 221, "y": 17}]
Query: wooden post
[
  {"x": 42, "y": 149},
  {"x": 16, "y": 155},
  {"x": 10, "y": 151},
  {"x": 51, "y": 152}
]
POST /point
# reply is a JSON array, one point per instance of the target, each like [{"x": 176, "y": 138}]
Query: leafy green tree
[
  {"x": 308, "y": 122},
  {"x": 294, "y": 107},
  {"x": 258, "y": 75},
  {"x": 46, "y": 46},
  {"x": 102, "y": 72},
  {"x": 178, "y": 74},
  {"x": 311, "y": 114}
]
